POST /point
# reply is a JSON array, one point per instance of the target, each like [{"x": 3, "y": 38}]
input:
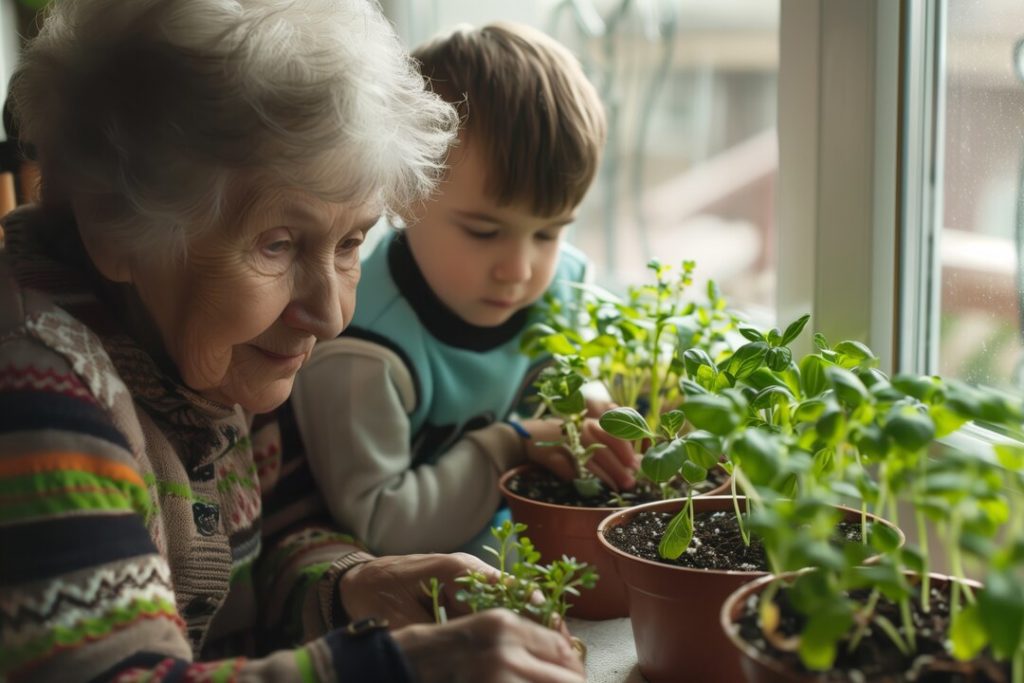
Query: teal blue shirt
[{"x": 466, "y": 376}]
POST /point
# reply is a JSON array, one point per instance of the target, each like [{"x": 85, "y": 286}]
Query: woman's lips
[{"x": 284, "y": 359}]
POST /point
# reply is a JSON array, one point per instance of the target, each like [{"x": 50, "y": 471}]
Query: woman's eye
[
  {"x": 349, "y": 244},
  {"x": 276, "y": 243},
  {"x": 278, "y": 247},
  {"x": 545, "y": 237}
]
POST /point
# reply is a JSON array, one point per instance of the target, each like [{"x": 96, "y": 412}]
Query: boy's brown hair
[{"x": 525, "y": 101}]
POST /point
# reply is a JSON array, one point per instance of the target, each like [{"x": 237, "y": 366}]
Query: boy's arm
[{"x": 352, "y": 403}]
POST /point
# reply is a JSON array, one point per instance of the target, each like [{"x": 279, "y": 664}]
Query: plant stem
[
  {"x": 748, "y": 490},
  {"x": 926, "y": 579},
  {"x": 1017, "y": 668},
  {"x": 908, "y": 623},
  {"x": 862, "y": 628}
]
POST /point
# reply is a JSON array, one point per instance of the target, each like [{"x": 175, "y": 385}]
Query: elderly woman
[{"x": 210, "y": 168}]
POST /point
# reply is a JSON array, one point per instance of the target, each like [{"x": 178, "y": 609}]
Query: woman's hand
[
  {"x": 494, "y": 646},
  {"x": 392, "y": 587},
  {"x": 615, "y": 464}
]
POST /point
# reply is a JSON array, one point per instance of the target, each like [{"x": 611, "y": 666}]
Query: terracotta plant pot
[
  {"x": 674, "y": 611},
  {"x": 558, "y": 530},
  {"x": 757, "y": 665}
]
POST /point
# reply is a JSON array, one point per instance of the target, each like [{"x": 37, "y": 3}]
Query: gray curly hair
[{"x": 155, "y": 106}]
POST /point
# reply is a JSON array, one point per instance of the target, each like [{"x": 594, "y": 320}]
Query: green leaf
[
  {"x": 794, "y": 329},
  {"x": 910, "y": 429},
  {"x": 853, "y": 353},
  {"x": 770, "y": 396},
  {"x": 921, "y": 387},
  {"x": 686, "y": 332},
  {"x": 678, "y": 535},
  {"x": 571, "y": 404},
  {"x": 912, "y": 559},
  {"x": 751, "y": 334},
  {"x": 690, "y": 387},
  {"x": 758, "y": 453},
  {"x": 712, "y": 413},
  {"x": 703, "y": 448},
  {"x": 883, "y": 537},
  {"x": 779, "y": 358},
  {"x": 872, "y": 441},
  {"x": 812, "y": 375},
  {"x": 820, "y": 342},
  {"x": 809, "y": 410},
  {"x": 1001, "y": 611},
  {"x": 625, "y": 423},
  {"x": 558, "y": 344},
  {"x": 598, "y": 346},
  {"x": 672, "y": 421},
  {"x": 693, "y": 359},
  {"x": 821, "y": 635},
  {"x": 747, "y": 359},
  {"x": 831, "y": 426},
  {"x": 692, "y": 472},
  {"x": 967, "y": 634},
  {"x": 587, "y": 487},
  {"x": 946, "y": 421},
  {"x": 1010, "y": 456},
  {"x": 848, "y": 387},
  {"x": 661, "y": 462}
]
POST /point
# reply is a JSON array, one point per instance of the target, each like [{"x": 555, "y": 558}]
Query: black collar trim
[{"x": 439, "y": 320}]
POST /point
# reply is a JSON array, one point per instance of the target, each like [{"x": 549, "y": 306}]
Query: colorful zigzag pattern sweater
[{"x": 133, "y": 543}]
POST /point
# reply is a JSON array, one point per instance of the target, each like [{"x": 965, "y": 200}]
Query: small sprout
[{"x": 538, "y": 591}]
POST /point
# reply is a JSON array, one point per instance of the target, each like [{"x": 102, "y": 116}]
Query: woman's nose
[{"x": 317, "y": 305}]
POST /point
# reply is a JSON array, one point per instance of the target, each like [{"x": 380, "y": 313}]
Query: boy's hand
[
  {"x": 596, "y": 407},
  {"x": 615, "y": 464}
]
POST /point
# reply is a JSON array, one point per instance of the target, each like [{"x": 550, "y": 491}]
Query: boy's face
[{"x": 485, "y": 262}]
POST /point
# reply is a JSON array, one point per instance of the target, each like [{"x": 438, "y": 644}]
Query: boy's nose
[{"x": 514, "y": 267}]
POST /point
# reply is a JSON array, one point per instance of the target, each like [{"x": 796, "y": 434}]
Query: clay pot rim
[
  {"x": 734, "y": 603},
  {"x": 678, "y": 503},
  {"x": 519, "y": 469}
]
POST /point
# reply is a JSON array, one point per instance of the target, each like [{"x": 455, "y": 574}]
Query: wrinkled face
[
  {"x": 484, "y": 261},
  {"x": 241, "y": 315}
]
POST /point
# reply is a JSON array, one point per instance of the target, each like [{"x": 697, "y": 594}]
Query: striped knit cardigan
[{"x": 133, "y": 543}]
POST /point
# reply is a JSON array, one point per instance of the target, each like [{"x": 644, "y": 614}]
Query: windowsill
[{"x": 611, "y": 653}]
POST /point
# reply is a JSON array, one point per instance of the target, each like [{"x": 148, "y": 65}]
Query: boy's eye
[
  {"x": 480, "y": 234},
  {"x": 546, "y": 236}
]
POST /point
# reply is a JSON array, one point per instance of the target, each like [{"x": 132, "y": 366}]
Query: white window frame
[{"x": 839, "y": 83}]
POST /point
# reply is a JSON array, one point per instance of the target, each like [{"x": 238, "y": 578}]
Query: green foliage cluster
[
  {"x": 539, "y": 591},
  {"x": 800, "y": 437},
  {"x": 699, "y": 389},
  {"x": 633, "y": 346}
]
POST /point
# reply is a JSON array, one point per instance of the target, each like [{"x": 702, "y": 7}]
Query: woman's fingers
[{"x": 492, "y": 647}]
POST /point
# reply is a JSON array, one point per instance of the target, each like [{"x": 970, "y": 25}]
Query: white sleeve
[{"x": 352, "y": 403}]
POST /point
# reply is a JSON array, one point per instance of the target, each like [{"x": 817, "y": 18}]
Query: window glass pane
[
  {"x": 690, "y": 90},
  {"x": 982, "y": 219}
]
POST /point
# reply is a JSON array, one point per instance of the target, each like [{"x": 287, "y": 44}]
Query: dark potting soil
[
  {"x": 716, "y": 544},
  {"x": 876, "y": 659},
  {"x": 543, "y": 486}
]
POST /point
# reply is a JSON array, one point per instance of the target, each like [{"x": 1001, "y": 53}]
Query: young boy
[{"x": 402, "y": 417}]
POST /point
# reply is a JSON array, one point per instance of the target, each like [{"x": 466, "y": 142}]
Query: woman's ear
[{"x": 109, "y": 258}]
